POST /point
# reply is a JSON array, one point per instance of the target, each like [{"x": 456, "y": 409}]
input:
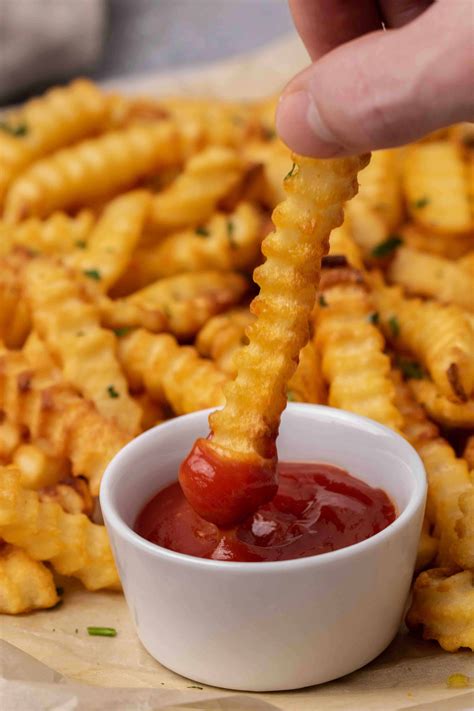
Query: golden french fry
[
  {"x": 15, "y": 321},
  {"x": 25, "y": 584},
  {"x": 443, "y": 604},
  {"x": 72, "y": 495},
  {"x": 71, "y": 329},
  {"x": 10, "y": 438},
  {"x": 432, "y": 276},
  {"x": 14, "y": 156},
  {"x": 367, "y": 228},
  {"x": 113, "y": 239},
  {"x": 439, "y": 335},
  {"x": 447, "y": 246},
  {"x": 380, "y": 187},
  {"x": 248, "y": 425},
  {"x": 193, "y": 197},
  {"x": 38, "y": 469},
  {"x": 70, "y": 542},
  {"x": 341, "y": 243},
  {"x": 427, "y": 546},
  {"x": 276, "y": 161},
  {"x": 56, "y": 417},
  {"x": 354, "y": 363},
  {"x": 93, "y": 169},
  {"x": 188, "y": 300},
  {"x": 171, "y": 373},
  {"x": 153, "y": 412},
  {"x": 448, "y": 480},
  {"x": 59, "y": 234},
  {"x": 225, "y": 242},
  {"x": 468, "y": 453},
  {"x": 436, "y": 187},
  {"x": 440, "y": 408}
]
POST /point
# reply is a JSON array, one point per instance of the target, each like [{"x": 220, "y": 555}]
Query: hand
[{"x": 368, "y": 88}]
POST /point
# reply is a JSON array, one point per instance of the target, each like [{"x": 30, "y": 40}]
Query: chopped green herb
[
  {"x": 102, "y": 631},
  {"x": 422, "y": 202},
  {"x": 293, "y": 171},
  {"x": 410, "y": 368},
  {"x": 374, "y": 318},
  {"x": 202, "y": 231},
  {"x": 122, "y": 331},
  {"x": 230, "y": 234},
  {"x": 92, "y": 274},
  {"x": 322, "y": 301},
  {"x": 20, "y": 129},
  {"x": 112, "y": 392},
  {"x": 394, "y": 326},
  {"x": 59, "y": 590},
  {"x": 194, "y": 686},
  {"x": 291, "y": 397},
  {"x": 80, "y": 243},
  {"x": 387, "y": 246}
]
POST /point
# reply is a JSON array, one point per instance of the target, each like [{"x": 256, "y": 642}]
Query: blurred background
[{"x": 48, "y": 41}]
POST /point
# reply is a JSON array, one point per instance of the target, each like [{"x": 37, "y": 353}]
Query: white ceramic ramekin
[{"x": 277, "y": 625}]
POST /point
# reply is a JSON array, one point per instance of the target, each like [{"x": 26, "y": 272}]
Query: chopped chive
[
  {"x": 374, "y": 318},
  {"x": 230, "y": 234},
  {"x": 92, "y": 274},
  {"x": 293, "y": 171},
  {"x": 422, "y": 202},
  {"x": 122, "y": 331},
  {"x": 322, "y": 301},
  {"x": 80, "y": 243},
  {"x": 290, "y": 396},
  {"x": 112, "y": 392},
  {"x": 387, "y": 246},
  {"x": 410, "y": 368},
  {"x": 202, "y": 231},
  {"x": 194, "y": 686},
  {"x": 102, "y": 631},
  {"x": 20, "y": 130},
  {"x": 394, "y": 326}
]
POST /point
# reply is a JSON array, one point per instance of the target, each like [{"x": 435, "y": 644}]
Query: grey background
[{"x": 147, "y": 35}]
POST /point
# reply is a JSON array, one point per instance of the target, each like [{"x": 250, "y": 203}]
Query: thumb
[{"x": 385, "y": 88}]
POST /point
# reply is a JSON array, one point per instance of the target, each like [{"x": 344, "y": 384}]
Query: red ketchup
[{"x": 317, "y": 508}]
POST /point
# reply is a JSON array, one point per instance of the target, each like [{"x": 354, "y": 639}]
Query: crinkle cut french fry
[
  {"x": 248, "y": 424},
  {"x": 276, "y": 161},
  {"x": 366, "y": 227},
  {"x": 57, "y": 418},
  {"x": 440, "y": 408},
  {"x": 189, "y": 300},
  {"x": 86, "y": 352},
  {"x": 59, "y": 234},
  {"x": 72, "y": 495},
  {"x": 352, "y": 351},
  {"x": 37, "y": 468},
  {"x": 468, "y": 453},
  {"x": 193, "y": 197},
  {"x": 380, "y": 187},
  {"x": 432, "y": 276},
  {"x": 14, "y": 156},
  {"x": 171, "y": 373},
  {"x": 93, "y": 169},
  {"x": 15, "y": 321},
  {"x": 439, "y": 335},
  {"x": 447, "y": 246},
  {"x": 113, "y": 239},
  {"x": 427, "y": 546},
  {"x": 153, "y": 412},
  {"x": 25, "y": 584},
  {"x": 342, "y": 243},
  {"x": 70, "y": 542},
  {"x": 443, "y": 603},
  {"x": 10, "y": 438},
  {"x": 448, "y": 481},
  {"x": 225, "y": 242},
  {"x": 436, "y": 187}
]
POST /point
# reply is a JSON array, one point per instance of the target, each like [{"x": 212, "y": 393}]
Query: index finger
[{"x": 325, "y": 24}]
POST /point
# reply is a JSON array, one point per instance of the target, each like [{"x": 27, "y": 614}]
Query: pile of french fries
[{"x": 129, "y": 232}]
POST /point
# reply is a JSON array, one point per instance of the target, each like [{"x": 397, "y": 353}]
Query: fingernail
[{"x": 301, "y": 127}]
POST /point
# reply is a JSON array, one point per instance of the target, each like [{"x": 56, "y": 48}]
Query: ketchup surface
[{"x": 317, "y": 508}]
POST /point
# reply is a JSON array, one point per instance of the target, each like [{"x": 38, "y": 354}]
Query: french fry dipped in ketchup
[{"x": 228, "y": 476}]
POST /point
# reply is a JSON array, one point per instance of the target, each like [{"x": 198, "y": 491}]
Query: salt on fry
[
  {"x": 70, "y": 542},
  {"x": 25, "y": 584},
  {"x": 71, "y": 329}
]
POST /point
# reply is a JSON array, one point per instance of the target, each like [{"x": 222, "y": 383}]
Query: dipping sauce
[{"x": 317, "y": 508}]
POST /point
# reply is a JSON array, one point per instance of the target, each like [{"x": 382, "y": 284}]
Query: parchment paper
[{"x": 55, "y": 665}]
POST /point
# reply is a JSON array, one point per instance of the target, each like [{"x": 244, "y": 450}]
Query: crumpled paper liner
[{"x": 85, "y": 673}]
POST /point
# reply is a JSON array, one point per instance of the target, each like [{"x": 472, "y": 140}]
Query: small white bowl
[{"x": 274, "y": 625}]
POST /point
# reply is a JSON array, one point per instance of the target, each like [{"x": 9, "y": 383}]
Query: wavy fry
[
  {"x": 25, "y": 584},
  {"x": 86, "y": 352},
  {"x": 15, "y": 321},
  {"x": 59, "y": 234},
  {"x": 93, "y": 169},
  {"x": 380, "y": 187},
  {"x": 171, "y": 373},
  {"x": 440, "y": 336},
  {"x": 427, "y": 546},
  {"x": 70, "y": 542},
  {"x": 248, "y": 424},
  {"x": 443, "y": 602},
  {"x": 440, "y": 408},
  {"x": 37, "y": 468},
  {"x": 447, "y": 246}
]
